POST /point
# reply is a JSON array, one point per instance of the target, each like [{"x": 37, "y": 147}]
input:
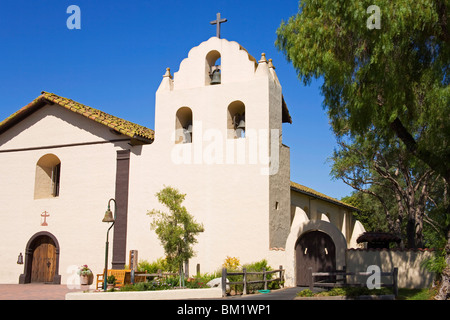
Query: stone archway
[
  {"x": 41, "y": 259},
  {"x": 303, "y": 226},
  {"x": 315, "y": 250}
]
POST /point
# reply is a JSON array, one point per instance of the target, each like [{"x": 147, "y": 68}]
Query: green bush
[
  {"x": 155, "y": 284},
  {"x": 254, "y": 267},
  {"x": 153, "y": 267},
  {"x": 167, "y": 283},
  {"x": 305, "y": 293}
]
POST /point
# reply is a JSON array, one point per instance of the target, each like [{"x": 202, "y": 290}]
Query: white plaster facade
[{"x": 239, "y": 188}]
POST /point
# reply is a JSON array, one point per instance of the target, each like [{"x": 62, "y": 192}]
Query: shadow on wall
[{"x": 411, "y": 273}]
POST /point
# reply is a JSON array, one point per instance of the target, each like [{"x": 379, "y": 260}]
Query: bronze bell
[
  {"x": 187, "y": 135},
  {"x": 215, "y": 79},
  {"x": 108, "y": 216}
]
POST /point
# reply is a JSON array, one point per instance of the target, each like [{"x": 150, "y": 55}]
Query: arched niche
[
  {"x": 213, "y": 65},
  {"x": 183, "y": 125},
  {"x": 47, "y": 178},
  {"x": 236, "y": 123}
]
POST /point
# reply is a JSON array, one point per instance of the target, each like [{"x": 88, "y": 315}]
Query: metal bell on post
[{"x": 108, "y": 216}]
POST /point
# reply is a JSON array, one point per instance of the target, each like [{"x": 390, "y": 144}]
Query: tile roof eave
[
  {"x": 127, "y": 128},
  {"x": 313, "y": 193}
]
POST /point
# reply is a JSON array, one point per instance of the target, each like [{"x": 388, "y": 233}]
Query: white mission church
[{"x": 217, "y": 138}]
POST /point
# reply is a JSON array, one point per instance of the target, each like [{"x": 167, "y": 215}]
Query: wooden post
[
  {"x": 198, "y": 269},
  {"x": 186, "y": 269},
  {"x": 281, "y": 275},
  {"x": 265, "y": 278},
  {"x": 344, "y": 268},
  {"x": 395, "y": 281},
  {"x": 133, "y": 264},
  {"x": 310, "y": 279},
  {"x": 244, "y": 270},
  {"x": 224, "y": 282}
]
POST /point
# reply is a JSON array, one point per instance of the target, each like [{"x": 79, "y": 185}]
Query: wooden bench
[{"x": 122, "y": 277}]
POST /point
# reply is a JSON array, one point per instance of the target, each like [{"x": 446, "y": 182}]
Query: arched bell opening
[
  {"x": 213, "y": 69},
  {"x": 183, "y": 125},
  {"x": 236, "y": 124}
]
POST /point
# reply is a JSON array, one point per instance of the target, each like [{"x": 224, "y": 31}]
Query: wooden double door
[
  {"x": 43, "y": 265},
  {"x": 316, "y": 250}
]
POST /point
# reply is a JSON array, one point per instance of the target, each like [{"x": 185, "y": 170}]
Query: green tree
[
  {"x": 393, "y": 80},
  {"x": 176, "y": 230},
  {"x": 400, "y": 183}
]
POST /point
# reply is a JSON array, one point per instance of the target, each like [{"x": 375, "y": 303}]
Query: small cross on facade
[
  {"x": 217, "y": 22},
  {"x": 44, "y": 215}
]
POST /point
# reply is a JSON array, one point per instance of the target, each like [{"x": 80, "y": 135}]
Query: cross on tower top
[{"x": 217, "y": 22}]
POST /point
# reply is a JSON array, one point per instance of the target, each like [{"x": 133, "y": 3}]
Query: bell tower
[{"x": 218, "y": 122}]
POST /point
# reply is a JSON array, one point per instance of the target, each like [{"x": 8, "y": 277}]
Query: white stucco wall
[
  {"x": 87, "y": 182},
  {"x": 227, "y": 189},
  {"x": 232, "y": 185}
]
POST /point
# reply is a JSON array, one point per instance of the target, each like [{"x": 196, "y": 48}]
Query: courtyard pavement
[
  {"x": 34, "y": 291},
  {"x": 37, "y": 291}
]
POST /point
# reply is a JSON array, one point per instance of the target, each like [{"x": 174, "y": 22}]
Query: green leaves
[
  {"x": 176, "y": 230},
  {"x": 394, "y": 79}
]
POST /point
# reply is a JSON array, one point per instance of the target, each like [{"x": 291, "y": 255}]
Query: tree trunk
[
  {"x": 444, "y": 290},
  {"x": 411, "y": 232}
]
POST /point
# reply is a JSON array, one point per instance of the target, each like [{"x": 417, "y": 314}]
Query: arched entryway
[
  {"x": 316, "y": 250},
  {"x": 41, "y": 260}
]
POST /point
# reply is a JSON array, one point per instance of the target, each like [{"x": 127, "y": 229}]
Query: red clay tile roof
[
  {"x": 127, "y": 128},
  {"x": 311, "y": 192},
  {"x": 377, "y": 237}
]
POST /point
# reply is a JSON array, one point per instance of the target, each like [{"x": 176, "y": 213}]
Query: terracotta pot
[{"x": 84, "y": 279}]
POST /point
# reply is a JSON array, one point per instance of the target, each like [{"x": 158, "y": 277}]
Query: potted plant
[
  {"x": 86, "y": 275},
  {"x": 110, "y": 282}
]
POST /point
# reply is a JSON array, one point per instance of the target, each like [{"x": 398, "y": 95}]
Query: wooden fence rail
[
  {"x": 343, "y": 277},
  {"x": 145, "y": 276},
  {"x": 245, "y": 280}
]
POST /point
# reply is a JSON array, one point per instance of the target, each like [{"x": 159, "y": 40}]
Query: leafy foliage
[
  {"x": 231, "y": 263},
  {"x": 153, "y": 267},
  {"x": 393, "y": 81},
  {"x": 177, "y": 230},
  {"x": 388, "y": 83}
]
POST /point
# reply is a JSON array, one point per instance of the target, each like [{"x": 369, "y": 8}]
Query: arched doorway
[
  {"x": 41, "y": 260},
  {"x": 316, "y": 250}
]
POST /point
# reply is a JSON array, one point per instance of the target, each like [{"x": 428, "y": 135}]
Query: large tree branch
[{"x": 436, "y": 163}]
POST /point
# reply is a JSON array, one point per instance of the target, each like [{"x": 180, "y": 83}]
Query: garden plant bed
[
  {"x": 366, "y": 294},
  {"x": 362, "y": 297}
]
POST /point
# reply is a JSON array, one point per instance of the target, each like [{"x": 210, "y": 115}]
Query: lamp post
[{"x": 108, "y": 218}]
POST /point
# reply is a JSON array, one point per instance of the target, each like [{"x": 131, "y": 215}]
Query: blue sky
[{"x": 115, "y": 62}]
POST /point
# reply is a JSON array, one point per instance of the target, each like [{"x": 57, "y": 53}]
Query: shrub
[
  {"x": 305, "y": 293},
  {"x": 231, "y": 263},
  {"x": 153, "y": 267}
]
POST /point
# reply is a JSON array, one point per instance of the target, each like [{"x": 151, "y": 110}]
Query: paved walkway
[
  {"x": 36, "y": 291},
  {"x": 281, "y": 294}
]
